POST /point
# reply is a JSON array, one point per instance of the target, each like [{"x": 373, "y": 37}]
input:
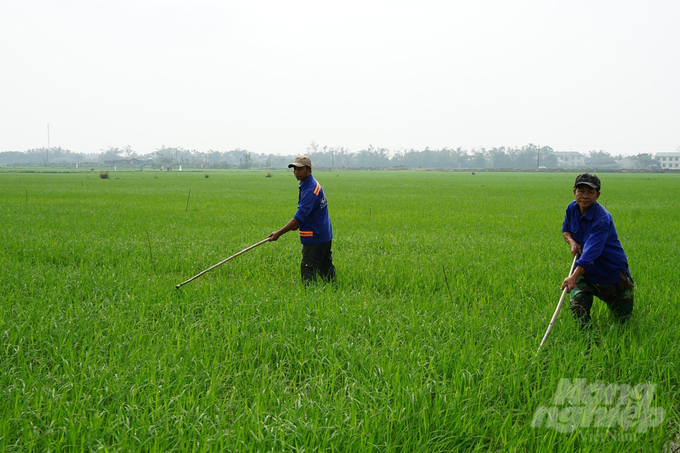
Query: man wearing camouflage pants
[{"x": 602, "y": 266}]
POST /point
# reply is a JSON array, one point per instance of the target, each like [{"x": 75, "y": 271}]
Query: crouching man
[{"x": 602, "y": 266}]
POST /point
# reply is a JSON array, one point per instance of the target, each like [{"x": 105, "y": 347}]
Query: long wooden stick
[
  {"x": 557, "y": 310},
  {"x": 223, "y": 261}
]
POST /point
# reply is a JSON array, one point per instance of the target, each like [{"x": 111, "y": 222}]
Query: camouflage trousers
[{"x": 618, "y": 297}]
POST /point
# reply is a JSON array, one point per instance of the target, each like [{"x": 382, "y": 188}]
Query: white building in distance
[
  {"x": 570, "y": 159},
  {"x": 669, "y": 161}
]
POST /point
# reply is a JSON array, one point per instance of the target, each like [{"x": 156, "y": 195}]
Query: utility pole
[{"x": 47, "y": 153}]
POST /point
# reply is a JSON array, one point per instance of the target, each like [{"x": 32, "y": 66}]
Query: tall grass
[{"x": 100, "y": 352}]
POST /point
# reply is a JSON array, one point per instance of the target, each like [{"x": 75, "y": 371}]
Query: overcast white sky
[{"x": 272, "y": 76}]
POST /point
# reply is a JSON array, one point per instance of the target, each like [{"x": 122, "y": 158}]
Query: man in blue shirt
[
  {"x": 313, "y": 223},
  {"x": 602, "y": 266}
]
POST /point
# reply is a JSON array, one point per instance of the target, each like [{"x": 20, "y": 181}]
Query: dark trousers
[{"x": 317, "y": 261}]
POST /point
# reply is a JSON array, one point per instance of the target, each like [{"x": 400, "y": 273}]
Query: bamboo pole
[
  {"x": 557, "y": 310},
  {"x": 222, "y": 262}
]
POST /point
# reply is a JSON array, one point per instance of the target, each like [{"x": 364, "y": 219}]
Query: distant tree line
[
  {"x": 530, "y": 156},
  {"x": 527, "y": 157}
]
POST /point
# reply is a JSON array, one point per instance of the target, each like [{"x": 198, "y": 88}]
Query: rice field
[{"x": 427, "y": 343}]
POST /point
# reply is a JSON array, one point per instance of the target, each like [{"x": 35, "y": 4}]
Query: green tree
[
  {"x": 600, "y": 159},
  {"x": 499, "y": 158},
  {"x": 110, "y": 154},
  {"x": 645, "y": 161}
]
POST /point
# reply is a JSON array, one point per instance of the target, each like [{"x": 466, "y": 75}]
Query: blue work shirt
[
  {"x": 602, "y": 257},
  {"x": 312, "y": 213}
]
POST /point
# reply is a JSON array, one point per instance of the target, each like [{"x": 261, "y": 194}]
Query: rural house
[
  {"x": 570, "y": 159},
  {"x": 669, "y": 161}
]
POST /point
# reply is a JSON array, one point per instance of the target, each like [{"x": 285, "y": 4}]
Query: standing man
[
  {"x": 314, "y": 224},
  {"x": 602, "y": 268}
]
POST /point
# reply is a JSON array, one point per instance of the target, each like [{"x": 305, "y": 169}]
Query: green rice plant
[{"x": 99, "y": 351}]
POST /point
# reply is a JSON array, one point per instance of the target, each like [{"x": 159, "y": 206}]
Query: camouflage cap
[{"x": 588, "y": 180}]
